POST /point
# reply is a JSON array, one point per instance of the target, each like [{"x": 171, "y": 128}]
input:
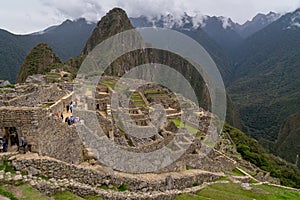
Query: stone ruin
[{"x": 28, "y": 110}]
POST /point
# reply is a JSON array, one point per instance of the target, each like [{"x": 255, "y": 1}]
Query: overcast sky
[{"x": 27, "y": 16}]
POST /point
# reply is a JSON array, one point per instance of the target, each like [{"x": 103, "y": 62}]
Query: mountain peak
[
  {"x": 294, "y": 20},
  {"x": 257, "y": 23},
  {"x": 115, "y": 21},
  {"x": 39, "y": 60}
]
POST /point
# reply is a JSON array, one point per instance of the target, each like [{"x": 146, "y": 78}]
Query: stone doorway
[{"x": 12, "y": 136}]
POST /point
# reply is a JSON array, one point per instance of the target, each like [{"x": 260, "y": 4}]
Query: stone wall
[
  {"x": 59, "y": 140},
  {"x": 36, "y": 95},
  {"x": 61, "y": 104},
  {"x": 52, "y": 168},
  {"x": 24, "y": 119}
]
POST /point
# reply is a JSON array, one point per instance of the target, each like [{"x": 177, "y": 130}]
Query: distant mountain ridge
[
  {"x": 226, "y": 33},
  {"x": 68, "y": 38},
  {"x": 257, "y": 23},
  {"x": 266, "y": 76}
]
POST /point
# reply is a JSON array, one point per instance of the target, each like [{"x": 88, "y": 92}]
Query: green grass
[
  {"x": 180, "y": 124},
  {"x": 91, "y": 197},
  {"x": 66, "y": 196},
  {"x": 9, "y": 86},
  {"x": 122, "y": 188},
  {"x": 21, "y": 192},
  {"x": 5, "y": 166},
  {"x": 236, "y": 172},
  {"x": 190, "y": 197},
  {"x": 146, "y": 92},
  {"x": 110, "y": 84},
  {"x": 5, "y": 193},
  {"x": 279, "y": 193},
  {"x": 137, "y": 100},
  {"x": 47, "y": 105},
  {"x": 140, "y": 105},
  {"x": 233, "y": 191},
  {"x": 30, "y": 193},
  {"x": 26, "y": 192}
]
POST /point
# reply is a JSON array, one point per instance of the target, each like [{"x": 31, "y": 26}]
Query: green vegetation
[
  {"x": 53, "y": 77},
  {"x": 66, "y": 196},
  {"x": 122, "y": 188},
  {"x": 9, "y": 86},
  {"x": 179, "y": 123},
  {"x": 5, "y": 166},
  {"x": 40, "y": 60},
  {"x": 196, "y": 184},
  {"x": 235, "y": 172},
  {"x": 110, "y": 84},
  {"x": 252, "y": 151},
  {"x": 153, "y": 92},
  {"x": 233, "y": 191},
  {"x": 30, "y": 193},
  {"x": 286, "y": 145},
  {"x": 47, "y": 105},
  {"x": 21, "y": 192},
  {"x": 266, "y": 90},
  {"x": 90, "y": 197},
  {"x": 136, "y": 97},
  {"x": 7, "y": 194}
]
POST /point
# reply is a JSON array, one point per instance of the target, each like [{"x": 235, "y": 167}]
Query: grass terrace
[
  {"x": 234, "y": 191},
  {"x": 180, "y": 124}
]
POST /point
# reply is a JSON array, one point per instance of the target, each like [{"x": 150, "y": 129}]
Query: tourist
[
  {"x": 71, "y": 108},
  {"x": 5, "y": 144},
  {"x": 72, "y": 119},
  {"x": 1, "y": 144},
  {"x": 56, "y": 115},
  {"x": 69, "y": 122},
  {"x": 23, "y": 144}
]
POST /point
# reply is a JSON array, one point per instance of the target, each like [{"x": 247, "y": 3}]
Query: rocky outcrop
[
  {"x": 115, "y": 21},
  {"x": 41, "y": 59}
]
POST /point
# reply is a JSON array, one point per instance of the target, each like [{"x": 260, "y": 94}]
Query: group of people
[
  {"x": 4, "y": 144},
  {"x": 71, "y": 106},
  {"x": 71, "y": 119}
]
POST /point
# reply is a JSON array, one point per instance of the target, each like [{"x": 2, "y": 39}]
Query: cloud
[
  {"x": 34, "y": 15},
  {"x": 238, "y": 10}
]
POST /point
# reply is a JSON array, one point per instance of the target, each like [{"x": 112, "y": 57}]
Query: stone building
[{"x": 29, "y": 111}]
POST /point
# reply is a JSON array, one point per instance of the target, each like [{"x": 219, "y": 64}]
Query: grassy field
[
  {"x": 191, "y": 129},
  {"x": 233, "y": 191},
  {"x": 223, "y": 191},
  {"x": 26, "y": 192}
]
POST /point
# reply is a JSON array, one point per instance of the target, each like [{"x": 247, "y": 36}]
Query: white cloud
[{"x": 33, "y": 15}]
